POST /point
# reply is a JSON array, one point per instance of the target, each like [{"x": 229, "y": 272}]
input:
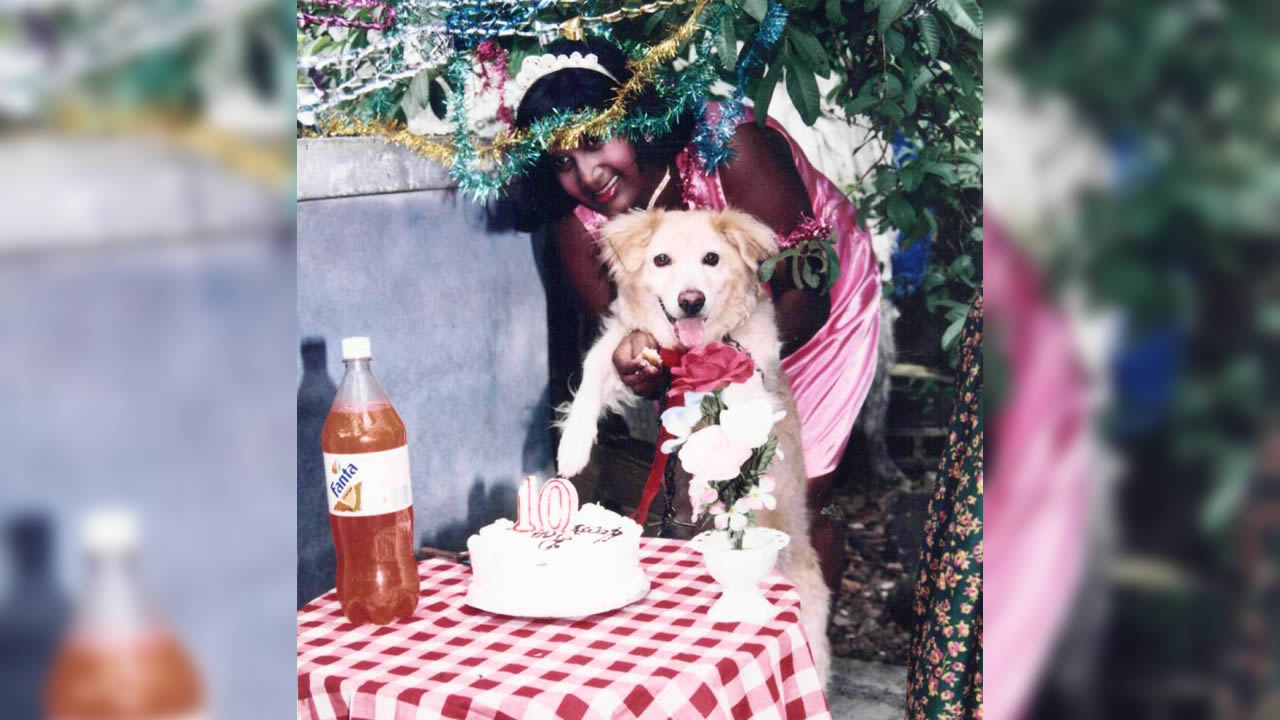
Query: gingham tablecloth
[{"x": 655, "y": 659}]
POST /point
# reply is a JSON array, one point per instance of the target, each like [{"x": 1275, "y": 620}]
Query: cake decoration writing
[
  {"x": 607, "y": 533},
  {"x": 551, "y": 539}
]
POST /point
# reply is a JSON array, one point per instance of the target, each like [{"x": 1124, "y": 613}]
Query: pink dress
[{"x": 831, "y": 374}]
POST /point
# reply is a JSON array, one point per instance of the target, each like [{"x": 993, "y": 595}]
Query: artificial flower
[
  {"x": 714, "y": 454},
  {"x": 709, "y": 367},
  {"x": 749, "y": 421},
  {"x": 741, "y": 392},
  {"x": 679, "y": 422}
]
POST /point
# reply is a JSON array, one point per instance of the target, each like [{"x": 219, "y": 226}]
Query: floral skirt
[{"x": 944, "y": 674}]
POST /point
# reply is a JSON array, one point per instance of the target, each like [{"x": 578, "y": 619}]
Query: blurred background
[
  {"x": 146, "y": 306},
  {"x": 1133, "y": 211}
]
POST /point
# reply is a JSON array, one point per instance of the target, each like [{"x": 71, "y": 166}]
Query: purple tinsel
[{"x": 386, "y": 19}]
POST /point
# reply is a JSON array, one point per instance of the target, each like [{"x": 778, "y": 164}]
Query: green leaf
[
  {"x": 893, "y": 111},
  {"x": 803, "y": 89},
  {"x": 764, "y": 90},
  {"x": 727, "y": 44},
  {"x": 909, "y": 101},
  {"x": 833, "y": 267},
  {"x": 901, "y": 214},
  {"x": 886, "y": 179},
  {"x": 834, "y": 15},
  {"x": 933, "y": 279},
  {"x": 756, "y": 8},
  {"x": 891, "y": 10},
  {"x": 929, "y": 34},
  {"x": 962, "y": 267},
  {"x": 895, "y": 42},
  {"x": 952, "y": 333},
  {"x": 653, "y": 21},
  {"x": 911, "y": 176},
  {"x": 932, "y": 220},
  {"x": 811, "y": 279},
  {"x": 966, "y": 14},
  {"x": 963, "y": 78},
  {"x": 809, "y": 50},
  {"x": 768, "y": 267},
  {"x": 891, "y": 85},
  {"x": 710, "y": 405}
]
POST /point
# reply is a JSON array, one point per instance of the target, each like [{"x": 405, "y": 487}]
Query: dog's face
[{"x": 687, "y": 278}]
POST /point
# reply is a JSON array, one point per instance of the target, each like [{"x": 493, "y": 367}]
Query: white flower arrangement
[{"x": 725, "y": 440}]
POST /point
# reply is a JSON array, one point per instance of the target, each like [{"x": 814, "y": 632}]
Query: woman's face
[{"x": 602, "y": 176}]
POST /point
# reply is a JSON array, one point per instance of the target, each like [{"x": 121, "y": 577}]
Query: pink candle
[{"x": 525, "y": 520}]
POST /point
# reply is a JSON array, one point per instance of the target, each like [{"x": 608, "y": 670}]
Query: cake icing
[{"x": 591, "y": 566}]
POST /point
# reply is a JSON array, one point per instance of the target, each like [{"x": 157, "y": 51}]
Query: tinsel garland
[
  {"x": 482, "y": 172},
  {"x": 711, "y": 141},
  {"x": 385, "y": 20}
]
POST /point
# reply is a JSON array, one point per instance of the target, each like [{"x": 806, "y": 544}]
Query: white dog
[{"x": 688, "y": 278}]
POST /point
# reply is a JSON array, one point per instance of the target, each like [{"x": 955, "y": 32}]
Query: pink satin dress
[{"x": 831, "y": 373}]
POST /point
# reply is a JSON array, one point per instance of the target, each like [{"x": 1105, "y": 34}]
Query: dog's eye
[
  {"x": 662, "y": 260},
  {"x": 710, "y": 259}
]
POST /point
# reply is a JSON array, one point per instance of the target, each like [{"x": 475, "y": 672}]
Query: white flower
[
  {"x": 749, "y": 421},
  {"x": 745, "y": 391},
  {"x": 701, "y": 495},
  {"x": 679, "y": 421},
  {"x": 714, "y": 454},
  {"x": 760, "y": 497}
]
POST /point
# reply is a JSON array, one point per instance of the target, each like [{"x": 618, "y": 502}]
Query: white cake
[{"x": 591, "y": 567}]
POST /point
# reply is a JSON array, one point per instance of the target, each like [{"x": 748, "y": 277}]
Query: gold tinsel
[{"x": 642, "y": 72}]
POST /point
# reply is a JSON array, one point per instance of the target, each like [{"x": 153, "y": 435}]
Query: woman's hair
[{"x": 575, "y": 89}]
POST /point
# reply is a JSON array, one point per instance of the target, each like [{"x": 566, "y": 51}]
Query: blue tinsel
[
  {"x": 711, "y": 139},
  {"x": 767, "y": 35}
]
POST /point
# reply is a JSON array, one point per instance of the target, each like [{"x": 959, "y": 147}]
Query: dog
[{"x": 689, "y": 277}]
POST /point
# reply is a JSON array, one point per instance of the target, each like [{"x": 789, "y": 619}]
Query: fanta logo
[{"x": 348, "y": 474}]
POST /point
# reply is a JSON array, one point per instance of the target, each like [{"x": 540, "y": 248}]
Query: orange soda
[
  {"x": 366, "y": 461},
  {"x": 120, "y": 661}
]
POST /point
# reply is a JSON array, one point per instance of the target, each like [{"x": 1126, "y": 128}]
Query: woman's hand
[{"x": 638, "y": 374}]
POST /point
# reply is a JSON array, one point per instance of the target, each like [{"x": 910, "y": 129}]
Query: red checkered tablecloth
[{"x": 655, "y": 659}]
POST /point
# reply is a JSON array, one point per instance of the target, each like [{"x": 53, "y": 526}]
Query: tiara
[{"x": 536, "y": 67}]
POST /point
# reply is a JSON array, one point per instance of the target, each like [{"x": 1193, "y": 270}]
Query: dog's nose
[{"x": 691, "y": 301}]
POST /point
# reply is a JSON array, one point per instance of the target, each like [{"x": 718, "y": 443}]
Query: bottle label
[{"x": 373, "y": 483}]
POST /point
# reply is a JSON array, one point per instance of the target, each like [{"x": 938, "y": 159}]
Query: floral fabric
[{"x": 944, "y": 671}]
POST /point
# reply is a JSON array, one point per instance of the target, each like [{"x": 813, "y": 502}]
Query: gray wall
[{"x": 456, "y": 313}]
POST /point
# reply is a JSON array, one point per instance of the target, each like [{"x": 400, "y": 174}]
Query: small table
[{"x": 657, "y": 658}]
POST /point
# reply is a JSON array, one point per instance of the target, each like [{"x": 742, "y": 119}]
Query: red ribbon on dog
[{"x": 670, "y": 359}]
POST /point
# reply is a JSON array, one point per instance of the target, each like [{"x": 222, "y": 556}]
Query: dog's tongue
[{"x": 689, "y": 332}]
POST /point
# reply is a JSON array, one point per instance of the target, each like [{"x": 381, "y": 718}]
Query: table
[{"x": 655, "y": 659}]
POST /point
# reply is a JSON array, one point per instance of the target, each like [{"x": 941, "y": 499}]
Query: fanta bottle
[
  {"x": 119, "y": 660},
  {"x": 366, "y": 463}
]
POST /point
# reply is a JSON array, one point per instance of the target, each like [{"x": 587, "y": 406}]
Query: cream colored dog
[{"x": 688, "y": 278}]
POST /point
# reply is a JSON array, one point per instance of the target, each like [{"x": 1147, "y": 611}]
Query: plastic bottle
[
  {"x": 119, "y": 660},
  {"x": 366, "y": 462}
]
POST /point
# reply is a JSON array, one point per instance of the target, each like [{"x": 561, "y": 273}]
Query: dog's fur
[{"x": 736, "y": 306}]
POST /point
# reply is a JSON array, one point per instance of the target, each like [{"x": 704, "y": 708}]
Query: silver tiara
[{"x": 536, "y": 67}]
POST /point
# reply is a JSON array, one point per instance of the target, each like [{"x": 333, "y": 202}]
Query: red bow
[{"x": 670, "y": 359}]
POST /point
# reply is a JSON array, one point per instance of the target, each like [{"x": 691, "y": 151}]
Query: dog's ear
[
  {"x": 626, "y": 237},
  {"x": 755, "y": 241}
]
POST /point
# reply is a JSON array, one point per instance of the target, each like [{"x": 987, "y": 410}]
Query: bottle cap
[
  {"x": 354, "y": 348},
  {"x": 111, "y": 530}
]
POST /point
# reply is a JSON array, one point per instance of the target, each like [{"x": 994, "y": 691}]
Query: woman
[{"x": 829, "y": 341}]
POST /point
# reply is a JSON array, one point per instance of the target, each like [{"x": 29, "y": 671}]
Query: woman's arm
[
  {"x": 763, "y": 181},
  {"x": 580, "y": 257}
]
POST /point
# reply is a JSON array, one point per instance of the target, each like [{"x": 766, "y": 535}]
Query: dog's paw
[{"x": 575, "y": 449}]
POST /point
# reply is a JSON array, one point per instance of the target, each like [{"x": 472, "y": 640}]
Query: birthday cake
[{"x": 589, "y": 565}]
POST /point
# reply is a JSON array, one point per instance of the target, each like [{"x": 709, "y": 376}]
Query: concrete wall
[{"x": 456, "y": 313}]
